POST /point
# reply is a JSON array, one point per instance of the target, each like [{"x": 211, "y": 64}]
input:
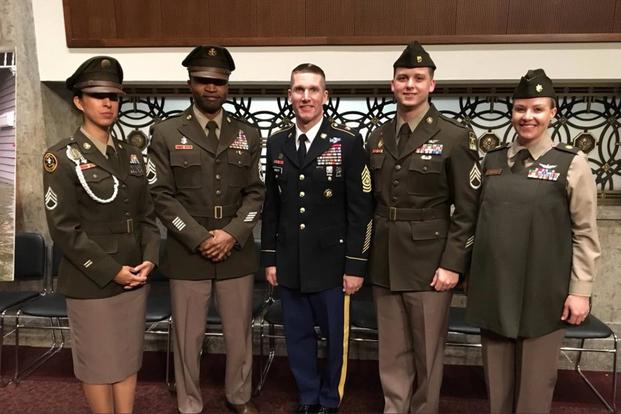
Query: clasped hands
[
  {"x": 217, "y": 247},
  {"x": 130, "y": 277}
]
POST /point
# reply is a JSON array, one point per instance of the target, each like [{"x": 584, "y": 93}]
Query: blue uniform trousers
[{"x": 328, "y": 309}]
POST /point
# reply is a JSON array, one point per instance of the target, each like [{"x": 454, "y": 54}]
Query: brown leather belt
[{"x": 411, "y": 214}]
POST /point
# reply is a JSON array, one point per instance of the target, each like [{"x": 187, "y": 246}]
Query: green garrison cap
[
  {"x": 209, "y": 62},
  {"x": 535, "y": 84},
  {"x": 414, "y": 56},
  {"x": 99, "y": 74}
]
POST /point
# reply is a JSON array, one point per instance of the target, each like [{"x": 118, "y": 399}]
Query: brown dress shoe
[{"x": 246, "y": 408}]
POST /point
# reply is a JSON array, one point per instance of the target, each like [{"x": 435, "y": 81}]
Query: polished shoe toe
[
  {"x": 326, "y": 410},
  {"x": 308, "y": 408}
]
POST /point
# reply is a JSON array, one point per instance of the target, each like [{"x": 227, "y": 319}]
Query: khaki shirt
[
  {"x": 203, "y": 120},
  {"x": 582, "y": 196}
]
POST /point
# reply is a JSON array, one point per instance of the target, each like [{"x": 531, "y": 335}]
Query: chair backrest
[{"x": 30, "y": 256}]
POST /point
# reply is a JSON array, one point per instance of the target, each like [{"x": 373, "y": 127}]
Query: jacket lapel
[
  {"x": 123, "y": 155},
  {"x": 289, "y": 148},
  {"x": 426, "y": 129},
  {"x": 90, "y": 152},
  {"x": 389, "y": 139},
  {"x": 195, "y": 132},
  {"x": 227, "y": 134}
]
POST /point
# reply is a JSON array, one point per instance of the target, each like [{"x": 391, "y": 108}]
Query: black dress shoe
[
  {"x": 308, "y": 408},
  {"x": 326, "y": 410}
]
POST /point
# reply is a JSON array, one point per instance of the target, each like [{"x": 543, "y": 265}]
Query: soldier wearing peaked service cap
[
  {"x": 100, "y": 215},
  {"x": 422, "y": 165},
  {"x": 203, "y": 171},
  {"x": 535, "y": 253}
]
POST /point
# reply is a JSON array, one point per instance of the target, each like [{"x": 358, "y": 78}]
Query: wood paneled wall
[{"x": 158, "y": 23}]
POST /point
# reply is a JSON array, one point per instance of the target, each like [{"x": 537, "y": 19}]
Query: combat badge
[
  {"x": 50, "y": 162},
  {"x": 134, "y": 166},
  {"x": 51, "y": 199}
]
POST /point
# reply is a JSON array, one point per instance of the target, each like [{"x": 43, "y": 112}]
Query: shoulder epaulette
[
  {"x": 230, "y": 117},
  {"x": 280, "y": 131},
  {"x": 61, "y": 144},
  {"x": 343, "y": 128},
  {"x": 453, "y": 121},
  {"x": 567, "y": 148},
  {"x": 498, "y": 148}
]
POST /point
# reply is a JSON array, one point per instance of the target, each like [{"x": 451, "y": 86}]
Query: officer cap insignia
[
  {"x": 539, "y": 88},
  {"x": 50, "y": 162},
  {"x": 213, "y": 62},
  {"x": 51, "y": 199},
  {"x": 327, "y": 193},
  {"x": 212, "y": 52},
  {"x": 414, "y": 56},
  {"x": 419, "y": 59},
  {"x": 534, "y": 84},
  {"x": 86, "y": 146},
  {"x": 105, "y": 63}
]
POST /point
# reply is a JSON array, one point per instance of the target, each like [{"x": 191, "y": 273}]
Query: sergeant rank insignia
[
  {"x": 430, "y": 149},
  {"x": 240, "y": 142},
  {"x": 544, "y": 172}
]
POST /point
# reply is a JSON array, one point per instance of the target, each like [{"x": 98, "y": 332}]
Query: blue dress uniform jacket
[
  {"x": 317, "y": 217},
  {"x": 200, "y": 184},
  {"x": 415, "y": 231},
  {"x": 101, "y": 216}
]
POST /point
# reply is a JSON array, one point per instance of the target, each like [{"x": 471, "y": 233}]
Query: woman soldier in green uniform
[{"x": 100, "y": 214}]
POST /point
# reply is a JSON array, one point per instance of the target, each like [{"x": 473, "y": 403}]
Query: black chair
[
  {"x": 591, "y": 328},
  {"x": 50, "y": 307},
  {"x": 30, "y": 262}
]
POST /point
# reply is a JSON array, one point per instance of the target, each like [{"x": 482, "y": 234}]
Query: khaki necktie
[{"x": 519, "y": 160}]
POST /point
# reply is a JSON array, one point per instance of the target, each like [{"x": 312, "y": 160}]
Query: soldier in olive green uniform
[
  {"x": 100, "y": 214},
  {"x": 422, "y": 164},
  {"x": 204, "y": 176},
  {"x": 535, "y": 253}
]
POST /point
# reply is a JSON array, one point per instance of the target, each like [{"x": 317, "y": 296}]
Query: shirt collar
[
  {"x": 536, "y": 148},
  {"x": 413, "y": 123},
  {"x": 97, "y": 143},
  {"x": 310, "y": 134},
  {"x": 202, "y": 119}
]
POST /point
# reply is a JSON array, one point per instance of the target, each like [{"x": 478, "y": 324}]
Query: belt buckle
[
  {"x": 130, "y": 225},
  {"x": 392, "y": 213},
  {"x": 217, "y": 212}
]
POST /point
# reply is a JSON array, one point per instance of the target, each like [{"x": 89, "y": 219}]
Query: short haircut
[{"x": 308, "y": 68}]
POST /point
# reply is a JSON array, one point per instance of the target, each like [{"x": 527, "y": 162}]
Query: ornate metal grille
[{"x": 591, "y": 121}]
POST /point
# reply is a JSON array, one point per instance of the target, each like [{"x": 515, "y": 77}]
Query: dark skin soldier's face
[{"x": 209, "y": 94}]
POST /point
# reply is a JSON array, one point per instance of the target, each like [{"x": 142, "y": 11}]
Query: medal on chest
[
  {"x": 544, "y": 172},
  {"x": 430, "y": 149},
  {"x": 332, "y": 156},
  {"x": 134, "y": 165},
  {"x": 240, "y": 142}
]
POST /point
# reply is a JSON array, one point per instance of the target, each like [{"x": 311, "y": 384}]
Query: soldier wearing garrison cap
[
  {"x": 423, "y": 165},
  {"x": 203, "y": 172},
  {"x": 535, "y": 252},
  {"x": 100, "y": 215}
]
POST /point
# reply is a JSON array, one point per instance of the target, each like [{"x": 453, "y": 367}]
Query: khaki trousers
[
  {"x": 521, "y": 373},
  {"x": 412, "y": 330},
  {"x": 190, "y": 304}
]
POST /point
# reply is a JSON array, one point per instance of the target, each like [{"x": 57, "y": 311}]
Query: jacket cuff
[
  {"x": 356, "y": 266},
  {"x": 580, "y": 288}
]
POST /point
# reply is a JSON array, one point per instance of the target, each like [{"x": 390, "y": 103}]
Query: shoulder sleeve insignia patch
[{"x": 50, "y": 162}]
